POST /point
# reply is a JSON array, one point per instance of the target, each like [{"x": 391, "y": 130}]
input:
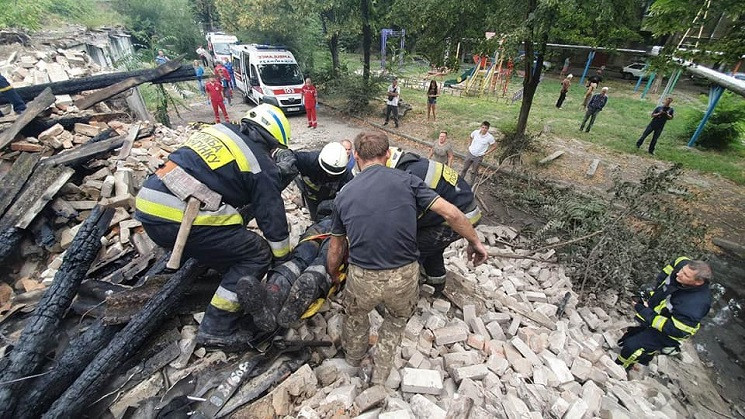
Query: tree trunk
[
  {"x": 333, "y": 44},
  {"x": 366, "y": 38}
]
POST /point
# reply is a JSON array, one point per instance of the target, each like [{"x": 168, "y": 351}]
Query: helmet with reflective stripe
[
  {"x": 333, "y": 159},
  {"x": 396, "y": 153},
  {"x": 273, "y": 120}
]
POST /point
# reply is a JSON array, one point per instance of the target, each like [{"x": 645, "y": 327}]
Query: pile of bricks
[{"x": 506, "y": 350}]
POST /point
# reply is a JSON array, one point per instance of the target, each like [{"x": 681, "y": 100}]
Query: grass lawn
[{"x": 617, "y": 127}]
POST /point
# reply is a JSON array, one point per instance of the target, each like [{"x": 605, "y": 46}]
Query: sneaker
[
  {"x": 651, "y": 153},
  {"x": 385, "y": 123},
  {"x": 310, "y": 125},
  {"x": 396, "y": 125}
]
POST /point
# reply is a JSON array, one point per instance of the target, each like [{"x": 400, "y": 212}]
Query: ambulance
[
  {"x": 218, "y": 44},
  {"x": 268, "y": 74}
]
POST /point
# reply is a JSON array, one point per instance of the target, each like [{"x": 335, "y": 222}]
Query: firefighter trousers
[
  {"x": 231, "y": 250},
  {"x": 641, "y": 345}
]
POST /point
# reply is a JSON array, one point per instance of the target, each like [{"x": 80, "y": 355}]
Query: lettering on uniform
[
  {"x": 450, "y": 175},
  {"x": 210, "y": 149}
]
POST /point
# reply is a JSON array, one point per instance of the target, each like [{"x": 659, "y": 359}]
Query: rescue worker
[
  {"x": 671, "y": 314},
  {"x": 235, "y": 162},
  {"x": 375, "y": 219},
  {"x": 320, "y": 175},
  {"x": 12, "y": 96},
  {"x": 434, "y": 235}
]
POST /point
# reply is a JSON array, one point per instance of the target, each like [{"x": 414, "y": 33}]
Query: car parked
[{"x": 634, "y": 70}]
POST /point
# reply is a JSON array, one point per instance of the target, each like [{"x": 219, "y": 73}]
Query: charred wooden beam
[
  {"x": 16, "y": 178},
  {"x": 74, "y": 86},
  {"x": 40, "y": 189},
  {"x": 126, "y": 84},
  {"x": 84, "y": 153},
  {"x": 79, "y": 353},
  {"x": 28, "y": 354},
  {"x": 44, "y": 100},
  {"x": 125, "y": 344},
  {"x": 10, "y": 238}
]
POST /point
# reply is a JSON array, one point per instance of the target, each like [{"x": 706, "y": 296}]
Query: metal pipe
[
  {"x": 714, "y": 95},
  {"x": 724, "y": 80},
  {"x": 590, "y": 57}
]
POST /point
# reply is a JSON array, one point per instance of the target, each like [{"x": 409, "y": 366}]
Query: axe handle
[{"x": 190, "y": 213}]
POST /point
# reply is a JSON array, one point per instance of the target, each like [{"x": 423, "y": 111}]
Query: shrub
[
  {"x": 724, "y": 128},
  {"x": 357, "y": 93},
  {"x": 621, "y": 242}
]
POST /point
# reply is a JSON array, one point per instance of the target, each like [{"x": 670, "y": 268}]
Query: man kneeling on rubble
[
  {"x": 433, "y": 234},
  {"x": 318, "y": 174},
  {"x": 230, "y": 167},
  {"x": 669, "y": 314}
]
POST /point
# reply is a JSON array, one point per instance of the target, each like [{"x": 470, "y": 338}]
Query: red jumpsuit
[
  {"x": 309, "y": 98},
  {"x": 214, "y": 90}
]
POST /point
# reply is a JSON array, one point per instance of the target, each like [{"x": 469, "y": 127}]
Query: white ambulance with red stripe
[{"x": 268, "y": 74}]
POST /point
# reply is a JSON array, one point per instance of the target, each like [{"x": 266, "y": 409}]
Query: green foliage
[
  {"x": 622, "y": 242},
  {"x": 358, "y": 96},
  {"x": 168, "y": 23},
  {"x": 37, "y": 13},
  {"x": 725, "y": 127}
]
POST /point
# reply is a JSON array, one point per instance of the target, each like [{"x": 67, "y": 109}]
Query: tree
[
  {"x": 672, "y": 18},
  {"x": 535, "y": 23},
  {"x": 366, "y": 39},
  {"x": 205, "y": 13},
  {"x": 336, "y": 17},
  {"x": 151, "y": 21}
]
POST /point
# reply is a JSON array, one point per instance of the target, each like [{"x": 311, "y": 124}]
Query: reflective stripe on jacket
[
  {"x": 235, "y": 165},
  {"x": 672, "y": 309}
]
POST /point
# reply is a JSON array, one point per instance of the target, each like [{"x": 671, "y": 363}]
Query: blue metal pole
[
  {"x": 403, "y": 44},
  {"x": 383, "y": 39},
  {"x": 639, "y": 82},
  {"x": 649, "y": 84},
  {"x": 590, "y": 56},
  {"x": 714, "y": 95}
]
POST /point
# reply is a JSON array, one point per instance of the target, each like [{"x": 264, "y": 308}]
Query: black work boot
[
  {"x": 252, "y": 296},
  {"x": 220, "y": 329},
  {"x": 305, "y": 290}
]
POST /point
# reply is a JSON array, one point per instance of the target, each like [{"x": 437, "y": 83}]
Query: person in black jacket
[
  {"x": 234, "y": 162},
  {"x": 433, "y": 234},
  {"x": 318, "y": 174},
  {"x": 671, "y": 314}
]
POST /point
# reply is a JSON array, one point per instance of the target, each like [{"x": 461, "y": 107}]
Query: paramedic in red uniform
[
  {"x": 214, "y": 90},
  {"x": 310, "y": 94}
]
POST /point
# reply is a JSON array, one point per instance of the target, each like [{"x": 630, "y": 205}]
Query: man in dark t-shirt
[
  {"x": 660, "y": 115},
  {"x": 375, "y": 218}
]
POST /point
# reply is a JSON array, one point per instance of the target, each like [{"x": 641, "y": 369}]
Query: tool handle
[{"x": 190, "y": 213}]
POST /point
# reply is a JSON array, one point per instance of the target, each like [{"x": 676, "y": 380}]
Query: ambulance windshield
[{"x": 280, "y": 74}]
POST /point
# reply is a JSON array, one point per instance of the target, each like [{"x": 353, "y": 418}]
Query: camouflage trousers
[{"x": 398, "y": 290}]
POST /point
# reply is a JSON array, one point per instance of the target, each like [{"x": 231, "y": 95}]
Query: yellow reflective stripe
[
  {"x": 658, "y": 308},
  {"x": 434, "y": 173},
  {"x": 5, "y": 89},
  {"x": 640, "y": 316},
  {"x": 281, "y": 248},
  {"x": 684, "y": 327},
  {"x": 167, "y": 206},
  {"x": 680, "y": 259},
  {"x": 225, "y": 300},
  {"x": 631, "y": 360},
  {"x": 668, "y": 269},
  {"x": 244, "y": 157},
  {"x": 310, "y": 184},
  {"x": 659, "y": 322},
  {"x": 474, "y": 216}
]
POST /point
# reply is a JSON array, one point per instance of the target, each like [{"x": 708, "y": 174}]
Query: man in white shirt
[
  {"x": 392, "y": 102},
  {"x": 482, "y": 143}
]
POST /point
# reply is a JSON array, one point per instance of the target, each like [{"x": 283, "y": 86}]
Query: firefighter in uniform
[
  {"x": 434, "y": 235},
  {"x": 671, "y": 314},
  {"x": 234, "y": 162},
  {"x": 320, "y": 175}
]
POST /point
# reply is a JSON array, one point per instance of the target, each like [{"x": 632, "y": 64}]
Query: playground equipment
[{"x": 384, "y": 34}]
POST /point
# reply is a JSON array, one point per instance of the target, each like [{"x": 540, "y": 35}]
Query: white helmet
[{"x": 333, "y": 159}]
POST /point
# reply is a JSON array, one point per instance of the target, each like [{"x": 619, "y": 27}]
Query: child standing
[
  {"x": 310, "y": 94},
  {"x": 214, "y": 90}
]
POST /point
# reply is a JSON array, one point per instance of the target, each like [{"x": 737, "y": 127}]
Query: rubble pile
[
  {"x": 495, "y": 338},
  {"x": 111, "y": 182}
]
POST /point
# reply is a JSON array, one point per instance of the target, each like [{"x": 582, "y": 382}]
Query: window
[
  {"x": 221, "y": 49},
  {"x": 280, "y": 74}
]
